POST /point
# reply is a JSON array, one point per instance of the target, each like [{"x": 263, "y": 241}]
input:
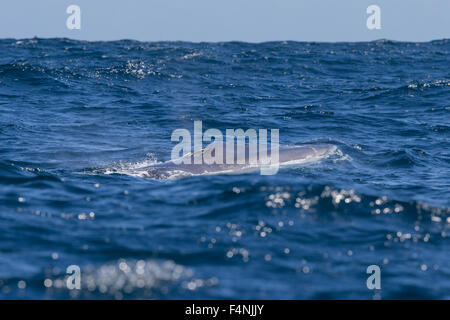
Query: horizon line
[{"x": 225, "y": 41}]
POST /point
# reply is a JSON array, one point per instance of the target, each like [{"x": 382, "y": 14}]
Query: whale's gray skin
[{"x": 287, "y": 156}]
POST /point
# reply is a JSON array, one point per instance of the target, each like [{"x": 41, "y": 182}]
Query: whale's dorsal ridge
[{"x": 287, "y": 156}]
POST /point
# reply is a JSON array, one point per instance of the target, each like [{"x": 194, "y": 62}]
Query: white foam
[{"x": 128, "y": 168}]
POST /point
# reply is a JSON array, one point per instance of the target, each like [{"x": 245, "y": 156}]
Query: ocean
[{"x": 80, "y": 120}]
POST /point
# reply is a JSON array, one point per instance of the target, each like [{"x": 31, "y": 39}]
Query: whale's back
[{"x": 186, "y": 165}]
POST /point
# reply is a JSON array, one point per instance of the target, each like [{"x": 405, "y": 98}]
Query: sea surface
[{"x": 80, "y": 120}]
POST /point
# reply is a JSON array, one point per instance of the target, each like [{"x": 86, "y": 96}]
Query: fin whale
[{"x": 287, "y": 156}]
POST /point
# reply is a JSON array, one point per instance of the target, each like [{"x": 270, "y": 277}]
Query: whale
[{"x": 287, "y": 156}]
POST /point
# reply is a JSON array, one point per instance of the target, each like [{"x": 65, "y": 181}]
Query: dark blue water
[{"x": 79, "y": 119}]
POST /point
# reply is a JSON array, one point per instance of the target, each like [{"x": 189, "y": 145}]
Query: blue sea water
[{"x": 78, "y": 120}]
